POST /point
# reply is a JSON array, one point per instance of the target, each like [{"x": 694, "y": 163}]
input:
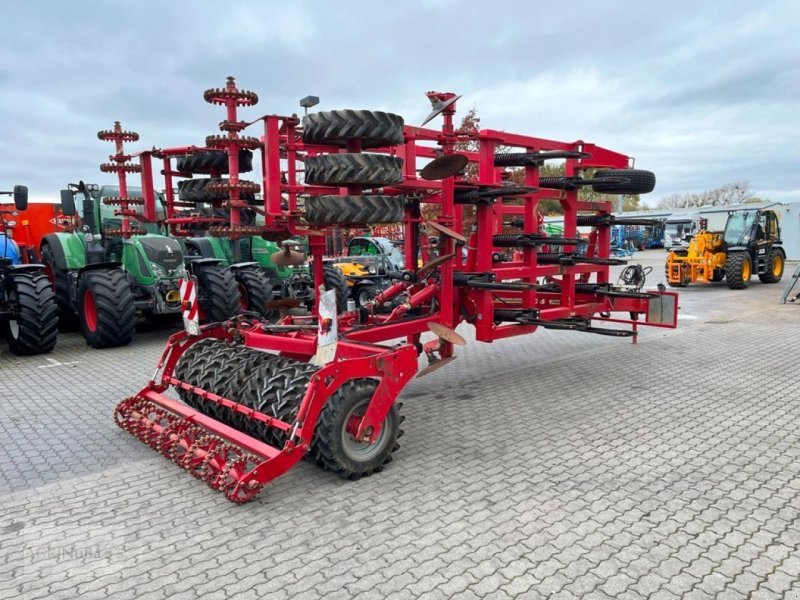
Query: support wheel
[
  {"x": 34, "y": 325},
  {"x": 363, "y": 294},
  {"x": 60, "y": 280},
  {"x": 204, "y": 162},
  {"x": 335, "y": 449},
  {"x": 638, "y": 181},
  {"x": 738, "y": 269},
  {"x": 217, "y": 293},
  {"x": 775, "y": 265},
  {"x": 106, "y": 308},
  {"x": 255, "y": 290},
  {"x": 336, "y": 127},
  {"x": 349, "y": 169},
  {"x": 354, "y": 210}
]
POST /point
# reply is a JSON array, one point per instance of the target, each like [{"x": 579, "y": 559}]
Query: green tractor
[
  {"x": 268, "y": 275},
  {"x": 104, "y": 277},
  {"x": 28, "y": 313}
]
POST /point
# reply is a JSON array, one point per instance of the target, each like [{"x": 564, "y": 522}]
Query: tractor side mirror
[
  {"x": 20, "y": 197},
  {"x": 67, "y": 203}
]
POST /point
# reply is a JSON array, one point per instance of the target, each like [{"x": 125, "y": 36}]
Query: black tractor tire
[
  {"x": 255, "y": 290},
  {"x": 196, "y": 190},
  {"x": 735, "y": 270},
  {"x": 353, "y": 169},
  {"x": 247, "y": 216},
  {"x": 776, "y": 262},
  {"x": 34, "y": 326},
  {"x": 106, "y": 308},
  {"x": 639, "y": 181},
  {"x": 718, "y": 275},
  {"x": 202, "y": 163},
  {"x": 354, "y": 210},
  {"x": 217, "y": 293},
  {"x": 335, "y": 280},
  {"x": 363, "y": 293},
  {"x": 335, "y": 450},
  {"x": 336, "y": 127},
  {"x": 60, "y": 281}
]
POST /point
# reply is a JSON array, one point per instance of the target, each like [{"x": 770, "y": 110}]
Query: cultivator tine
[{"x": 435, "y": 366}]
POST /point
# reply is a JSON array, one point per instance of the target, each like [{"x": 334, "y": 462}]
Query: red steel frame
[{"x": 434, "y": 295}]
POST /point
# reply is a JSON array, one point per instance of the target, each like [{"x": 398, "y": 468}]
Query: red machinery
[{"x": 256, "y": 397}]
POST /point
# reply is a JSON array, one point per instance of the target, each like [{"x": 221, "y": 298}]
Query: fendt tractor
[
  {"x": 28, "y": 312},
  {"x": 115, "y": 265},
  {"x": 751, "y": 243},
  {"x": 254, "y": 397}
]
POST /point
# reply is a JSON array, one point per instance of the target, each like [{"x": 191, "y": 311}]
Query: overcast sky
[{"x": 702, "y": 93}]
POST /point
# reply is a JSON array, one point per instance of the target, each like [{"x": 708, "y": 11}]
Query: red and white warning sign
[{"x": 191, "y": 318}]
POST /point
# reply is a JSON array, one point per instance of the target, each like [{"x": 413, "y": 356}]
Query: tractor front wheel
[
  {"x": 738, "y": 270},
  {"x": 364, "y": 294},
  {"x": 34, "y": 325},
  {"x": 217, "y": 294},
  {"x": 335, "y": 448},
  {"x": 106, "y": 308},
  {"x": 775, "y": 265},
  {"x": 255, "y": 290}
]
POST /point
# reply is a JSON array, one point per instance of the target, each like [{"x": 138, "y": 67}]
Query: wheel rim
[
  {"x": 362, "y": 451},
  {"x": 90, "y": 311},
  {"x": 746, "y": 269},
  {"x": 777, "y": 265}
]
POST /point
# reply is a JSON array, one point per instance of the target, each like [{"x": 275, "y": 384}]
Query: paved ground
[{"x": 559, "y": 465}]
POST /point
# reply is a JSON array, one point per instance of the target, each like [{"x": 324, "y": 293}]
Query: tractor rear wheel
[
  {"x": 197, "y": 190},
  {"x": 639, "y": 181},
  {"x": 106, "y": 308},
  {"x": 255, "y": 290},
  {"x": 202, "y": 163},
  {"x": 60, "y": 281},
  {"x": 337, "y": 127},
  {"x": 775, "y": 264},
  {"x": 354, "y": 210},
  {"x": 34, "y": 325},
  {"x": 353, "y": 169},
  {"x": 738, "y": 270},
  {"x": 334, "y": 280},
  {"x": 334, "y": 447},
  {"x": 217, "y": 293}
]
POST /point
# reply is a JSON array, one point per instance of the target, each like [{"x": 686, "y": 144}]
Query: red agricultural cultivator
[{"x": 257, "y": 396}]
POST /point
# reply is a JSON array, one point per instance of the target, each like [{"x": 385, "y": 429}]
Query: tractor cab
[{"x": 752, "y": 227}]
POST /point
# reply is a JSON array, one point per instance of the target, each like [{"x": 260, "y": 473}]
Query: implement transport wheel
[
  {"x": 334, "y": 447},
  {"x": 106, "y": 308},
  {"x": 738, "y": 269},
  {"x": 34, "y": 326},
  {"x": 354, "y": 210},
  {"x": 198, "y": 190},
  {"x": 775, "y": 264},
  {"x": 59, "y": 279},
  {"x": 217, "y": 293},
  {"x": 639, "y": 181},
  {"x": 255, "y": 290},
  {"x": 334, "y": 280},
  {"x": 348, "y": 169},
  {"x": 336, "y": 127},
  {"x": 203, "y": 162}
]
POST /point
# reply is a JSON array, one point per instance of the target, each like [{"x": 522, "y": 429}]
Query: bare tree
[{"x": 738, "y": 192}]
